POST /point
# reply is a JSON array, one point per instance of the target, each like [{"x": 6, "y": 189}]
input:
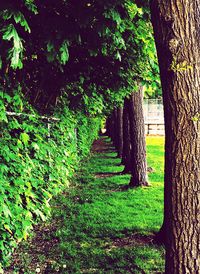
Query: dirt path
[{"x": 102, "y": 145}]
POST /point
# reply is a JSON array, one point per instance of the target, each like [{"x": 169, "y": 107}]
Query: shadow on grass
[
  {"x": 106, "y": 149},
  {"x": 99, "y": 225},
  {"x": 106, "y": 174},
  {"x": 108, "y": 156},
  {"x": 133, "y": 239}
]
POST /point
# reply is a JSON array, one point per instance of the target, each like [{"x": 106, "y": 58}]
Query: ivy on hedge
[{"x": 37, "y": 160}]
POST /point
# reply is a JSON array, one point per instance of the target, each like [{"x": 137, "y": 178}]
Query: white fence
[{"x": 154, "y": 117}]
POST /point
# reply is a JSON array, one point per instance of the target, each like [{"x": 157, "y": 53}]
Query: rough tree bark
[
  {"x": 126, "y": 154},
  {"x": 109, "y": 126},
  {"x": 119, "y": 132},
  {"x": 137, "y": 137},
  {"x": 177, "y": 34},
  {"x": 115, "y": 129}
]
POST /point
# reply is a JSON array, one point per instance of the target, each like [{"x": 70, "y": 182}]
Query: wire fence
[
  {"x": 44, "y": 118},
  {"x": 49, "y": 121}
]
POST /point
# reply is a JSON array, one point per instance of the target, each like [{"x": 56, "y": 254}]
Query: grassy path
[{"x": 97, "y": 225}]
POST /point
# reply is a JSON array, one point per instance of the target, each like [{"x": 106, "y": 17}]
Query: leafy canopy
[{"x": 93, "y": 51}]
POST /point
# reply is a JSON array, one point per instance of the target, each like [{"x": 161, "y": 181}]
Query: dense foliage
[
  {"x": 94, "y": 51},
  {"x": 38, "y": 157},
  {"x": 72, "y": 59}
]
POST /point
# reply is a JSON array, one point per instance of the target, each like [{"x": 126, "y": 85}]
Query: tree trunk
[
  {"x": 119, "y": 133},
  {"x": 176, "y": 27},
  {"x": 109, "y": 126},
  {"x": 137, "y": 137},
  {"x": 115, "y": 129},
  {"x": 126, "y": 155}
]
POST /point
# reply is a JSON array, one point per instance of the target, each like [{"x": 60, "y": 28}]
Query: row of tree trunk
[
  {"x": 176, "y": 26},
  {"x": 176, "y": 30},
  {"x": 177, "y": 36},
  {"x": 180, "y": 231},
  {"x": 125, "y": 127}
]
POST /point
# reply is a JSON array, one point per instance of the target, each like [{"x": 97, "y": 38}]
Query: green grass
[{"x": 102, "y": 228}]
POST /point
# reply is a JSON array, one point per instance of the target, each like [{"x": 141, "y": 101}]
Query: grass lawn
[{"x": 97, "y": 226}]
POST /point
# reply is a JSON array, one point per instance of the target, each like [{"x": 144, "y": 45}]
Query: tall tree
[
  {"x": 176, "y": 26},
  {"x": 137, "y": 137},
  {"x": 119, "y": 133},
  {"x": 126, "y": 155},
  {"x": 115, "y": 129},
  {"x": 110, "y": 126}
]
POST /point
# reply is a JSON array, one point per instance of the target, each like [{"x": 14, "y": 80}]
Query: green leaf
[
  {"x": 64, "y": 53},
  {"x": 15, "y": 60},
  {"x": 8, "y": 228},
  {"x": 3, "y": 116},
  {"x": 50, "y": 46},
  {"x": 19, "y": 18},
  {"x": 118, "y": 56},
  {"x": 25, "y": 138},
  {"x": 35, "y": 146},
  {"x": 6, "y": 211},
  {"x": 40, "y": 214},
  {"x": 9, "y": 32},
  {"x": 31, "y": 6},
  {"x": 6, "y": 14},
  {"x": 15, "y": 53}
]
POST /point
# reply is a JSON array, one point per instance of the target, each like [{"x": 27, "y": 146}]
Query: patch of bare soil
[
  {"x": 41, "y": 246},
  {"x": 100, "y": 146},
  {"x": 133, "y": 240},
  {"x": 107, "y": 174}
]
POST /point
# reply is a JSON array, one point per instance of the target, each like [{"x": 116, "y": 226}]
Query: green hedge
[{"x": 37, "y": 159}]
